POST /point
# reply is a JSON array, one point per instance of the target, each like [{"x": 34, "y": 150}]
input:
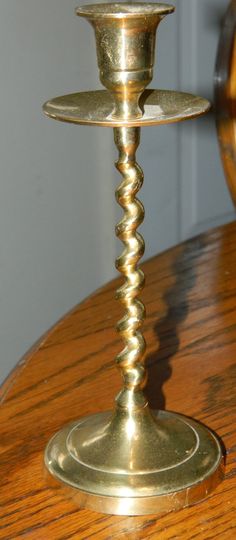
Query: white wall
[{"x": 57, "y": 208}]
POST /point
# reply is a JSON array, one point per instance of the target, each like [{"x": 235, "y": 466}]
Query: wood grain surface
[{"x": 190, "y": 329}]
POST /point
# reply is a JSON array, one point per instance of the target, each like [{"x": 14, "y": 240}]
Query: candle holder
[{"x": 133, "y": 460}]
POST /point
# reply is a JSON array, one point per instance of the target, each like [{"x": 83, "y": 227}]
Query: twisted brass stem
[{"x": 129, "y": 360}]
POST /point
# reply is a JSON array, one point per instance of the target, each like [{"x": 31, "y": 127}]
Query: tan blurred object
[{"x": 225, "y": 96}]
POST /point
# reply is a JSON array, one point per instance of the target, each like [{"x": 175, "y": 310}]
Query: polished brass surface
[
  {"x": 136, "y": 463},
  {"x": 131, "y": 461},
  {"x": 130, "y": 359},
  {"x": 125, "y": 40},
  {"x": 95, "y": 108}
]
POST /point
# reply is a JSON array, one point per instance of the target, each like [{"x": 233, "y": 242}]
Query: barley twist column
[{"x": 129, "y": 360}]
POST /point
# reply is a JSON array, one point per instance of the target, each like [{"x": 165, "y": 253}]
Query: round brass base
[{"x": 144, "y": 463}]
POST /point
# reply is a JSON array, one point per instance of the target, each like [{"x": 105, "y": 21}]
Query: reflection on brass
[{"x": 132, "y": 460}]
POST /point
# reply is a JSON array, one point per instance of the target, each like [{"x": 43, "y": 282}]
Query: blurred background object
[
  {"x": 225, "y": 96},
  {"x": 57, "y": 206}
]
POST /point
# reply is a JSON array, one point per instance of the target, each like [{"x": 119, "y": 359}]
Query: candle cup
[{"x": 125, "y": 41}]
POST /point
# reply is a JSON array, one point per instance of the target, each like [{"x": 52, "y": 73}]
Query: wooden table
[{"x": 191, "y": 334}]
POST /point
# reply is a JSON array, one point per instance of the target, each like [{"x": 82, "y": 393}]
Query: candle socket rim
[{"x": 133, "y": 10}]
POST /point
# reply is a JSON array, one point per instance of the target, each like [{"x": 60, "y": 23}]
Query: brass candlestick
[{"x": 132, "y": 460}]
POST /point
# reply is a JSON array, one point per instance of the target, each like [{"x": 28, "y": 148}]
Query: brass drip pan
[{"x": 95, "y": 108}]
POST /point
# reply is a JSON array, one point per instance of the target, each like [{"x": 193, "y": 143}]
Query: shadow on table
[{"x": 167, "y": 329}]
